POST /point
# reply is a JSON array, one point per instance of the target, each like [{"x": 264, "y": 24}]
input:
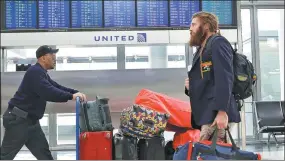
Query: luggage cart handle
[{"x": 77, "y": 113}]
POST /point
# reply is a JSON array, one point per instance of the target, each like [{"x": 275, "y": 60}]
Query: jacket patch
[{"x": 206, "y": 66}]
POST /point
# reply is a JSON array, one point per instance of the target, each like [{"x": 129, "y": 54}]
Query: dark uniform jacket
[
  {"x": 211, "y": 82},
  {"x": 36, "y": 89}
]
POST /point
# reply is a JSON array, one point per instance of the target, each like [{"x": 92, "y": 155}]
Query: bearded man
[{"x": 210, "y": 80}]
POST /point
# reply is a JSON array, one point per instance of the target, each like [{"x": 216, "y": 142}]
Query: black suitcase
[
  {"x": 151, "y": 149},
  {"x": 117, "y": 146},
  {"x": 95, "y": 116},
  {"x": 168, "y": 150},
  {"x": 127, "y": 147}
]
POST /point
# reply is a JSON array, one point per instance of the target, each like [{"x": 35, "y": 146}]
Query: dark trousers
[{"x": 23, "y": 131}]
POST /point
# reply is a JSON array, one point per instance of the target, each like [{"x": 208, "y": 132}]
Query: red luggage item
[
  {"x": 180, "y": 139},
  {"x": 96, "y": 145},
  {"x": 179, "y": 111}
]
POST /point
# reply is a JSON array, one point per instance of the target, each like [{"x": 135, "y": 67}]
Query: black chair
[{"x": 270, "y": 119}]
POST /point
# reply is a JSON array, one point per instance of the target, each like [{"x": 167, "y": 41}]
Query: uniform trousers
[{"x": 21, "y": 131}]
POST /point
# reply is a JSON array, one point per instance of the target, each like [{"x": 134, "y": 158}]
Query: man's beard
[{"x": 197, "y": 38}]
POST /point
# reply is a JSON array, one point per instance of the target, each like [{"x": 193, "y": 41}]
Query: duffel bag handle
[
  {"x": 215, "y": 139},
  {"x": 236, "y": 155}
]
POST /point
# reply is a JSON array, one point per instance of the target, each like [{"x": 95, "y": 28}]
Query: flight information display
[
  {"x": 181, "y": 12},
  {"x": 223, "y": 9},
  {"x": 21, "y": 14},
  {"x": 72, "y": 15},
  {"x": 54, "y": 14},
  {"x": 152, "y": 13},
  {"x": 87, "y": 13},
  {"x": 119, "y": 13}
]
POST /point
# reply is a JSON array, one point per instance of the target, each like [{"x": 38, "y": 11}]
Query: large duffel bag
[
  {"x": 95, "y": 116},
  {"x": 178, "y": 110},
  {"x": 213, "y": 150},
  {"x": 140, "y": 122}
]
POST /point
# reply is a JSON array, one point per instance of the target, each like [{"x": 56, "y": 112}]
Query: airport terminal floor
[
  {"x": 115, "y": 49},
  {"x": 268, "y": 153}
]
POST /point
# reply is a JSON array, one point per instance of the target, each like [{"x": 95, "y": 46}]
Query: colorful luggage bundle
[
  {"x": 138, "y": 121},
  {"x": 179, "y": 111},
  {"x": 143, "y": 129},
  {"x": 145, "y": 122}
]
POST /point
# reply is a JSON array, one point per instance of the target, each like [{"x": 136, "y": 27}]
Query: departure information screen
[
  {"x": 223, "y": 10},
  {"x": 86, "y": 14},
  {"x": 119, "y": 13},
  {"x": 181, "y": 12},
  {"x": 21, "y": 14},
  {"x": 74, "y": 15},
  {"x": 54, "y": 14},
  {"x": 152, "y": 13}
]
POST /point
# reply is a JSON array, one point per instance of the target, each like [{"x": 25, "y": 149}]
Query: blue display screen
[
  {"x": 152, "y": 13},
  {"x": 223, "y": 9},
  {"x": 86, "y": 14},
  {"x": 119, "y": 13},
  {"x": 181, "y": 12},
  {"x": 66, "y": 14},
  {"x": 54, "y": 14},
  {"x": 21, "y": 14}
]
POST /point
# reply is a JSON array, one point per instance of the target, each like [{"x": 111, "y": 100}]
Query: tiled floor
[
  {"x": 58, "y": 155},
  {"x": 270, "y": 152}
]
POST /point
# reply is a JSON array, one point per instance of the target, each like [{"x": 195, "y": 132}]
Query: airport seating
[{"x": 270, "y": 118}]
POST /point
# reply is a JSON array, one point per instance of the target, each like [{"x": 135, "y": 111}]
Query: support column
[
  {"x": 2, "y": 60},
  {"x": 242, "y": 125},
  {"x": 2, "y": 131},
  {"x": 158, "y": 57},
  {"x": 188, "y": 54},
  {"x": 54, "y": 47},
  {"x": 121, "y": 57},
  {"x": 281, "y": 52},
  {"x": 52, "y": 129}
]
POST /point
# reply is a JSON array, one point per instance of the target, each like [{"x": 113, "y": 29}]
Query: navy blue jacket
[
  {"x": 36, "y": 89},
  {"x": 211, "y": 82}
]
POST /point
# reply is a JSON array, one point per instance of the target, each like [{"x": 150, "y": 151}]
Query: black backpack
[{"x": 244, "y": 74}]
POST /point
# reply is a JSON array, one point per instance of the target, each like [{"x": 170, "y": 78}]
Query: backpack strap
[
  {"x": 210, "y": 42},
  {"x": 209, "y": 46}
]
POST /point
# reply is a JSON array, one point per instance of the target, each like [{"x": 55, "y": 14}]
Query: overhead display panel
[
  {"x": 54, "y": 14},
  {"x": 152, "y": 13},
  {"x": 21, "y": 14},
  {"x": 222, "y": 9},
  {"x": 100, "y": 15},
  {"x": 86, "y": 14},
  {"x": 181, "y": 12},
  {"x": 119, "y": 13}
]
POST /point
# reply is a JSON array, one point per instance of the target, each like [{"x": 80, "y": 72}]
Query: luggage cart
[
  {"x": 86, "y": 150},
  {"x": 77, "y": 114}
]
